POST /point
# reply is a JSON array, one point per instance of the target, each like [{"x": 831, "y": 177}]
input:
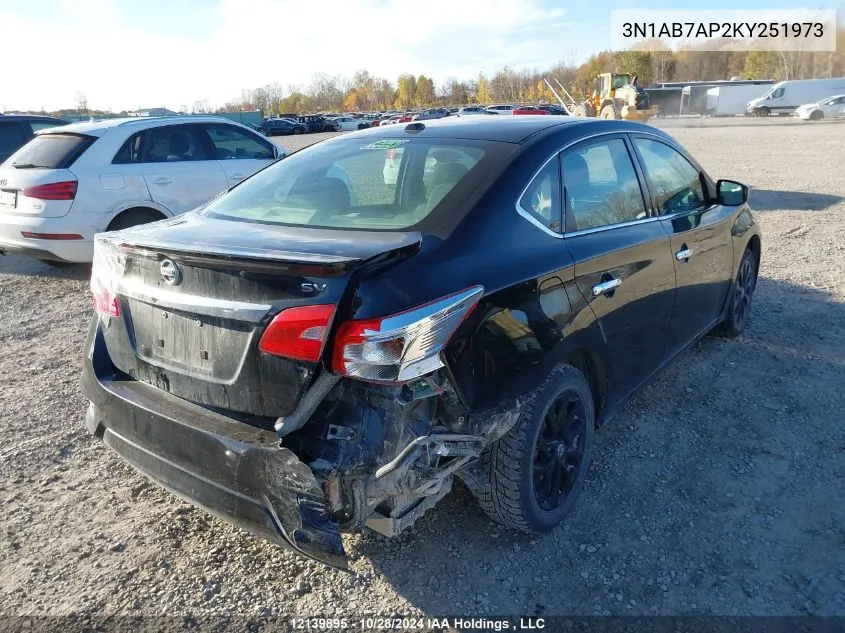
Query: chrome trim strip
[
  {"x": 599, "y": 229},
  {"x": 548, "y": 231},
  {"x": 206, "y": 306}
]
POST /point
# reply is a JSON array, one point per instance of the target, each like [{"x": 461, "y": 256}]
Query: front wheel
[
  {"x": 816, "y": 115},
  {"x": 739, "y": 309},
  {"x": 763, "y": 112},
  {"x": 535, "y": 472}
]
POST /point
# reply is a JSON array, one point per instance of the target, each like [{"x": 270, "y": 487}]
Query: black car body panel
[{"x": 375, "y": 449}]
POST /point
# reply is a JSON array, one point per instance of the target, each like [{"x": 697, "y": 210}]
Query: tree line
[{"x": 367, "y": 92}]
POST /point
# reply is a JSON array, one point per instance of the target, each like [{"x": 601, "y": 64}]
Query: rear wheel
[
  {"x": 739, "y": 309},
  {"x": 816, "y": 115},
  {"x": 535, "y": 472},
  {"x": 134, "y": 217}
]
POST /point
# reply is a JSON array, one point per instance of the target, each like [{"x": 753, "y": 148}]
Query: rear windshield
[
  {"x": 50, "y": 151},
  {"x": 362, "y": 183}
]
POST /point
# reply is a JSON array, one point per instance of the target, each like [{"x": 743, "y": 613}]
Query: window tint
[
  {"x": 541, "y": 199},
  {"x": 130, "y": 152},
  {"x": 674, "y": 182},
  {"x": 11, "y": 137},
  {"x": 51, "y": 151},
  {"x": 174, "y": 143},
  {"x": 350, "y": 185},
  {"x": 231, "y": 143},
  {"x": 600, "y": 186}
]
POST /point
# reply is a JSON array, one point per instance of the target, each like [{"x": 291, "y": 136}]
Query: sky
[{"x": 128, "y": 54}]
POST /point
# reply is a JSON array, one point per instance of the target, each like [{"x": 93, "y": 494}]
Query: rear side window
[
  {"x": 174, "y": 144},
  {"x": 231, "y": 143},
  {"x": 11, "y": 137},
  {"x": 51, "y": 151},
  {"x": 388, "y": 184},
  {"x": 541, "y": 199},
  {"x": 130, "y": 152}
]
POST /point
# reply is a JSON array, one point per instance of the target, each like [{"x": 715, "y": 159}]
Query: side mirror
[{"x": 731, "y": 194}]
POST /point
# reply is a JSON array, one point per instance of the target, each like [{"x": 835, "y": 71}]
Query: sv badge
[{"x": 312, "y": 288}]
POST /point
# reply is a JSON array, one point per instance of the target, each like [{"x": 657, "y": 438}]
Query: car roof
[
  {"x": 505, "y": 129},
  {"x": 30, "y": 117},
  {"x": 98, "y": 128},
  {"x": 510, "y": 129}
]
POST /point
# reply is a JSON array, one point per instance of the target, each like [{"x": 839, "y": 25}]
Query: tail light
[
  {"x": 106, "y": 270},
  {"x": 54, "y": 191},
  {"x": 403, "y": 346},
  {"x": 298, "y": 332}
]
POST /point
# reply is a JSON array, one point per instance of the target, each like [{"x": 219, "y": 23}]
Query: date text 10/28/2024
[{"x": 378, "y": 623}]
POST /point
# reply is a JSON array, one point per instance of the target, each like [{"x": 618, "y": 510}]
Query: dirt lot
[{"x": 717, "y": 491}]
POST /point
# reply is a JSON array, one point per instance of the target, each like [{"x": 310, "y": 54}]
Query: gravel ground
[{"x": 719, "y": 490}]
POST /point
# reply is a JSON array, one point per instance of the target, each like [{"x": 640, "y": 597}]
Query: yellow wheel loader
[{"x": 615, "y": 96}]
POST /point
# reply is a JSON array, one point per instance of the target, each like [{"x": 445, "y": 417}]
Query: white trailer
[{"x": 729, "y": 100}]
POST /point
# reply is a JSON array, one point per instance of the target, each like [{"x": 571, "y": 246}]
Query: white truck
[
  {"x": 729, "y": 100},
  {"x": 785, "y": 97}
]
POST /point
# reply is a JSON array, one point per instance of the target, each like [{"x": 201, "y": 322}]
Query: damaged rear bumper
[{"x": 234, "y": 471}]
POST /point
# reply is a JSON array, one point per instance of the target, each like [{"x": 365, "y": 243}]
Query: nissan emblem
[{"x": 170, "y": 273}]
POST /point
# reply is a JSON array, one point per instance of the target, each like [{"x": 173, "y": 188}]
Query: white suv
[{"x": 69, "y": 183}]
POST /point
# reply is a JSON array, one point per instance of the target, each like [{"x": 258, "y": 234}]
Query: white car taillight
[
  {"x": 402, "y": 346},
  {"x": 106, "y": 270}
]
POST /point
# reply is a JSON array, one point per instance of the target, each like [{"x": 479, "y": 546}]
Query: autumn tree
[
  {"x": 424, "y": 95},
  {"x": 482, "y": 89},
  {"x": 406, "y": 89}
]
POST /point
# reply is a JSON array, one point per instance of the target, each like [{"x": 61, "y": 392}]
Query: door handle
[
  {"x": 163, "y": 181},
  {"x": 684, "y": 253},
  {"x": 606, "y": 286},
  {"x": 237, "y": 176}
]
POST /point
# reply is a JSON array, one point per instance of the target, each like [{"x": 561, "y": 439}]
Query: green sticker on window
[{"x": 386, "y": 144}]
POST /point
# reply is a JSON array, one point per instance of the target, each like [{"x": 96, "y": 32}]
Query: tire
[
  {"x": 739, "y": 309},
  {"x": 763, "y": 112},
  {"x": 512, "y": 494},
  {"x": 134, "y": 217},
  {"x": 265, "y": 131},
  {"x": 53, "y": 263},
  {"x": 610, "y": 111},
  {"x": 816, "y": 115},
  {"x": 297, "y": 130}
]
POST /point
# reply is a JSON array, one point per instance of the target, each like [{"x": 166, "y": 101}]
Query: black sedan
[
  {"x": 318, "y": 351},
  {"x": 281, "y": 127}
]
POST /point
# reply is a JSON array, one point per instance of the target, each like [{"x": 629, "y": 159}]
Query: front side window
[
  {"x": 231, "y": 143},
  {"x": 777, "y": 94},
  {"x": 541, "y": 199},
  {"x": 174, "y": 144},
  {"x": 600, "y": 186},
  {"x": 674, "y": 182},
  {"x": 386, "y": 184}
]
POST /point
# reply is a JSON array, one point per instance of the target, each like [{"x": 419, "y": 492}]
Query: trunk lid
[{"x": 191, "y": 326}]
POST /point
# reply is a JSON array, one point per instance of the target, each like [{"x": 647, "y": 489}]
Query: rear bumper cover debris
[{"x": 234, "y": 471}]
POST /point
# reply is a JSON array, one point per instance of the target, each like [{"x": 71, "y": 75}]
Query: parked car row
[{"x": 70, "y": 182}]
